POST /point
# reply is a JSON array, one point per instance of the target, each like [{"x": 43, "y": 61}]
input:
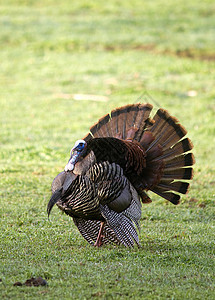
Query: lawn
[{"x": 121, "y": 52}]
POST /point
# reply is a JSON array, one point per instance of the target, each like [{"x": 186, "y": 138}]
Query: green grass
[{"x": 122, "y": 50}]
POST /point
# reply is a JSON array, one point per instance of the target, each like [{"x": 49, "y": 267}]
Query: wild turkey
[{"x": 125, "y": 154}]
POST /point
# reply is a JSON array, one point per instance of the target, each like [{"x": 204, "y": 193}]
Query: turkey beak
[{"x": 54, "y": 199}]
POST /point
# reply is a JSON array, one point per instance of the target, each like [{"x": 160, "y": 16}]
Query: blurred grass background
[{"x": 124, "y": 51}]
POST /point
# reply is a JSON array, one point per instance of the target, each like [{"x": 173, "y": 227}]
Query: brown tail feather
[
  {"x": 166, "y": 130},
  {"x": 142, "y": 119},
  {"x": 162, "y": 138},
  {"x": 181, "y": 147},
  {"x": 169, "y": 134},
  {"x": 145, "y": 198},
  {"x": 160, "y": 120},
  {"x": 180, "y": 161},
  {"x": 182, "y": 173},
  {"x": 177, "y": 186},
  {"x": 174, "y": 198},
  {"x": 146, "y": 139},
  {"x": 100, "y": 129},
  {"x": 121, "y": 120}
]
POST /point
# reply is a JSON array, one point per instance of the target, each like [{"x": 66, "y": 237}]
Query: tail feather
[
  {"x": 177, "y": 186},
  {"x": 180, "y": 148},
  {"x": 154, "y": 152},
  {"x": 131, "y": 116},
  {"x": 122, "y": 120},
  {"x": 166, "y": 131},
  {"x": 164, "y": 142},
  {"x": 160, "y": 120},
  {"x": 146, "y": 139},
  {"x": 144, "y": 197},
  {"x": 100, "y": 129},
  {"x": 172, "y": 197},
  {"x": 88, "y": 137},
  {"x": 107, "y": 131},
  {"x": 114, "y": 121},
  {"x": 182, "y": 173},
  {"x": 163, "y": 120},
  {"x": 142, "y": 119},
  {"x": 180, "y": 161},
  {"x": 169, "y": 136}
]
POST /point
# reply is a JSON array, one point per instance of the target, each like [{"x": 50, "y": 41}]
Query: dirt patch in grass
[{"x": 189, "y": 53}]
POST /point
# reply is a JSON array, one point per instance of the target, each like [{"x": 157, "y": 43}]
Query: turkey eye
[{"x": 81, "y": 144}]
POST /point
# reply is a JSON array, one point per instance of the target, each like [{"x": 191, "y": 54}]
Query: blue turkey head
[{"x": 76, "y": 152}]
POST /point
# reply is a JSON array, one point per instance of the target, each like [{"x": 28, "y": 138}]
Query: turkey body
[{"x": 125, "y": 154}]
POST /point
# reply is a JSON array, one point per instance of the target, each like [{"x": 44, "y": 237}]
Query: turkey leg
[{"x": 98, "y": 242}]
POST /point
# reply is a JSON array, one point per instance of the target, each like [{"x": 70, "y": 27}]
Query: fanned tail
[
  {"x": 165, "y": 144},
  {"x": 168, "y": 158}
]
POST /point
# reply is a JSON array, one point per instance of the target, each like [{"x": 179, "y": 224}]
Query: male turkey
[{"x": 125, "y": 154}]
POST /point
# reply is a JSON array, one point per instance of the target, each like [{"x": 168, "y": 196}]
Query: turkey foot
[{"x": 99, "y": 242}]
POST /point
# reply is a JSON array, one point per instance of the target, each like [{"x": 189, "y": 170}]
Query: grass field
[{"x": 124, "y": 51}]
